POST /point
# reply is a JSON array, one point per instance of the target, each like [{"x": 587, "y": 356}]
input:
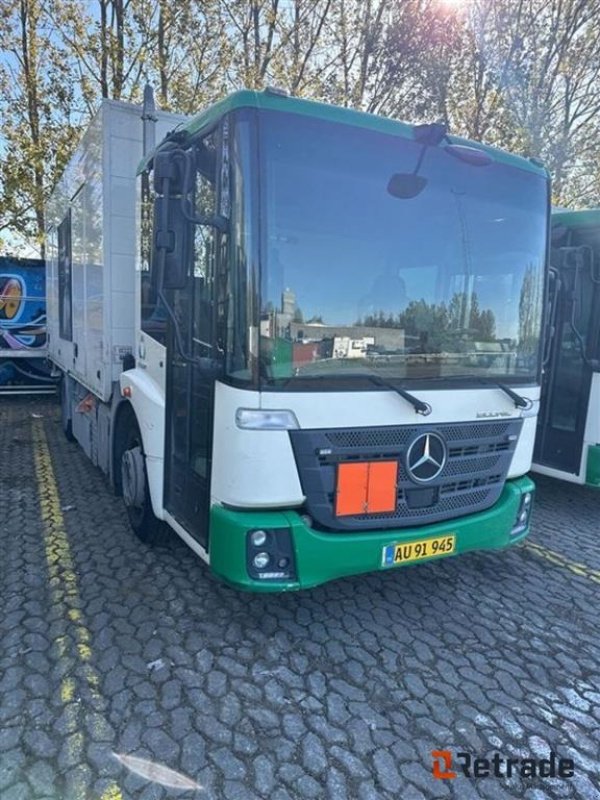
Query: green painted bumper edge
[
  {"x": 322, "y": 557},
  {"x": 592, "y": 473}
]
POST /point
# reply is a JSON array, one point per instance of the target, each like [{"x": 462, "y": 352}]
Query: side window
[
  {"x": 205, "y": 242},
  {"x": 65, "y": 298},
  {"x": 153, "y": 315},
  {"x": 241, "y": 333}
]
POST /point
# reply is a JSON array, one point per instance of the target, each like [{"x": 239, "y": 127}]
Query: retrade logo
[
  {"x": 426, "y": 457},
  {"x": 442, "y": 763},
  {"x": 446, "y": 766}
]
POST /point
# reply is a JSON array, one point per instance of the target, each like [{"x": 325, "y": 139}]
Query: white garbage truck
[{"x": 304, "y": 338}]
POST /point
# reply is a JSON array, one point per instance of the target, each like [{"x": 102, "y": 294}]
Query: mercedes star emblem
[{"x": 426, "y": 457}]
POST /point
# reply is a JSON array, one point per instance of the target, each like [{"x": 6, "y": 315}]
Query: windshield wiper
[
  {"x": 419, "y": 405},
  {"x": 520, "y": 402},
  {"x": 518, "y": 399}
]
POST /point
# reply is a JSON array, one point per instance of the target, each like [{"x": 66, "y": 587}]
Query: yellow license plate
[{"x": 396, "y": 554}]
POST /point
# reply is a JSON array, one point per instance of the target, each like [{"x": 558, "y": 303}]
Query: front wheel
[{"x": 134, "y": 485}]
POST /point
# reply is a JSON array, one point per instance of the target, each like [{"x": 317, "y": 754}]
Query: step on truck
[
  {"x": 567, "y": 444},
  {"x": 304, "y": 338}
]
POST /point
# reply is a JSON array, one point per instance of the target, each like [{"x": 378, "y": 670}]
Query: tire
[
  {"x": 65, "y": 417},
  {"x": 130, "y": 462}
]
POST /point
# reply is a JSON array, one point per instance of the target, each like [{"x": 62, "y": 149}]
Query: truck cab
[{"x": 330, "y": 339}]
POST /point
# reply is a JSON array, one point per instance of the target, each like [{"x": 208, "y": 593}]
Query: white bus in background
[
  {"x": 568, "y": 438},
  {"x": 202, "y": 374}
]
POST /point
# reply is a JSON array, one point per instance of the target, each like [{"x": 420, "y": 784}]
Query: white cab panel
[
  {"x": 249, "y": 478},
  {"x": 253, "y": 469}
]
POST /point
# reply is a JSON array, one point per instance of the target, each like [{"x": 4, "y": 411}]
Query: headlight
[{"x": 265, "y": 420}]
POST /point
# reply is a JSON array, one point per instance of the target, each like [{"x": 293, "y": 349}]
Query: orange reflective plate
[
  {"x": 382, "y": 489},
  {"x": 368, "y": 487},
  {"x": 351, "y": 494}
]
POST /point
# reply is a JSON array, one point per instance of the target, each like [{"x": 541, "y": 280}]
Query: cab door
[
  {"x": 191, "y": 354},
  {"x": 567, "y": 379}
]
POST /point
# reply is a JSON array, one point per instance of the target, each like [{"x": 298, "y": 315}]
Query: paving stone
[
  {"x": 231, "y": 766},
  {"x": 264, "y": 777},
  {"x": 341, "y": 692}
]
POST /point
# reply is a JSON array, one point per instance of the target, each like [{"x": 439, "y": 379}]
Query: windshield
[{"x": 357, "y": 281}]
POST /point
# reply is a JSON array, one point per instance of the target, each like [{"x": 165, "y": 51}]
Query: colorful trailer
[{"x": 23, "y": 341}]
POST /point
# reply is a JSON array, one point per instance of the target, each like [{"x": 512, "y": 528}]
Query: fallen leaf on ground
[{"x": 156, "y": 772}]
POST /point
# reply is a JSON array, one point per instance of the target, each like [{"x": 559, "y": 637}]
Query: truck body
[
  {"x": 335, "y": 324},
  {"x": 568, "y": 437},
  {"x": 90, "y": 267}
]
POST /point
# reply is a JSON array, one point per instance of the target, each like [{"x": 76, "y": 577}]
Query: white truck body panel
[
  {"x": 99, "y": 188},
  {"x": 249, "y": 480}
]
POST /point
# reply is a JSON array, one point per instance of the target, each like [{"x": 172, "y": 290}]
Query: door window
[
  {"x": 203, "y": 299},
  {"x": 153, "y": 315}
]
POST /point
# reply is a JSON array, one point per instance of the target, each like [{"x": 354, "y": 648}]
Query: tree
[
  {"x": 37, "y": 128},
  {"x": 530, "y": 82},
  {"x": 520, "y": 74}
]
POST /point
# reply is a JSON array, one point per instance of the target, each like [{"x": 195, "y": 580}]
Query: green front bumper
[
  {"x": 322, "y": 557},
  {"x": 592, "y": 477}
]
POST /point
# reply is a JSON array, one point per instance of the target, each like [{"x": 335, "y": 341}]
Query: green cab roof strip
[
  {"x": 586, "y": 218},
  {"x": 272, "y": 101}
]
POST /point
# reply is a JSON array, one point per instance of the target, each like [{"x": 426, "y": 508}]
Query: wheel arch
[{"x": 142, "y": 402}]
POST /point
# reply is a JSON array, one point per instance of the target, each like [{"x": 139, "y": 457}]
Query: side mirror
[
  {"x": 172, "y": 231},
  {"x": 169, "y": 172},
  {"x": 174, "y": 216},
  {"x": 406, "y": 185},
  {"x": 172, "y": 241}
]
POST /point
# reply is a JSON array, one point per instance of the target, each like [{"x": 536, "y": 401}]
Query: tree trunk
[{"x": 29, "y": 18}]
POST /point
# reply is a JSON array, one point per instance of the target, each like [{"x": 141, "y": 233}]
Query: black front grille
[{"x": 479, "y": 455}]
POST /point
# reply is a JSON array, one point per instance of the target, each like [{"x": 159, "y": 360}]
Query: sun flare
[{"x": 458, "y": 4}]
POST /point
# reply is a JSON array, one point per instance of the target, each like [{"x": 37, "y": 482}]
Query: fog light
[
  {"x": 261, "y": 560},
  {"x": 523, "y": 514},
  {"x": 258, "y": 538},
  {"x": 270, "y": 554}
]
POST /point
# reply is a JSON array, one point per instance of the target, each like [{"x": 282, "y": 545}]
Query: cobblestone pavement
[{"x": 109, "y": 647}]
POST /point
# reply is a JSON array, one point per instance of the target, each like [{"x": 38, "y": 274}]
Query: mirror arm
[
  {"x": 162, "y": 244},
  {"x": 217, "y": 221}
]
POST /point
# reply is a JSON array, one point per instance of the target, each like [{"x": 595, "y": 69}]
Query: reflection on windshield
[{"x": 356, "y": 280}]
